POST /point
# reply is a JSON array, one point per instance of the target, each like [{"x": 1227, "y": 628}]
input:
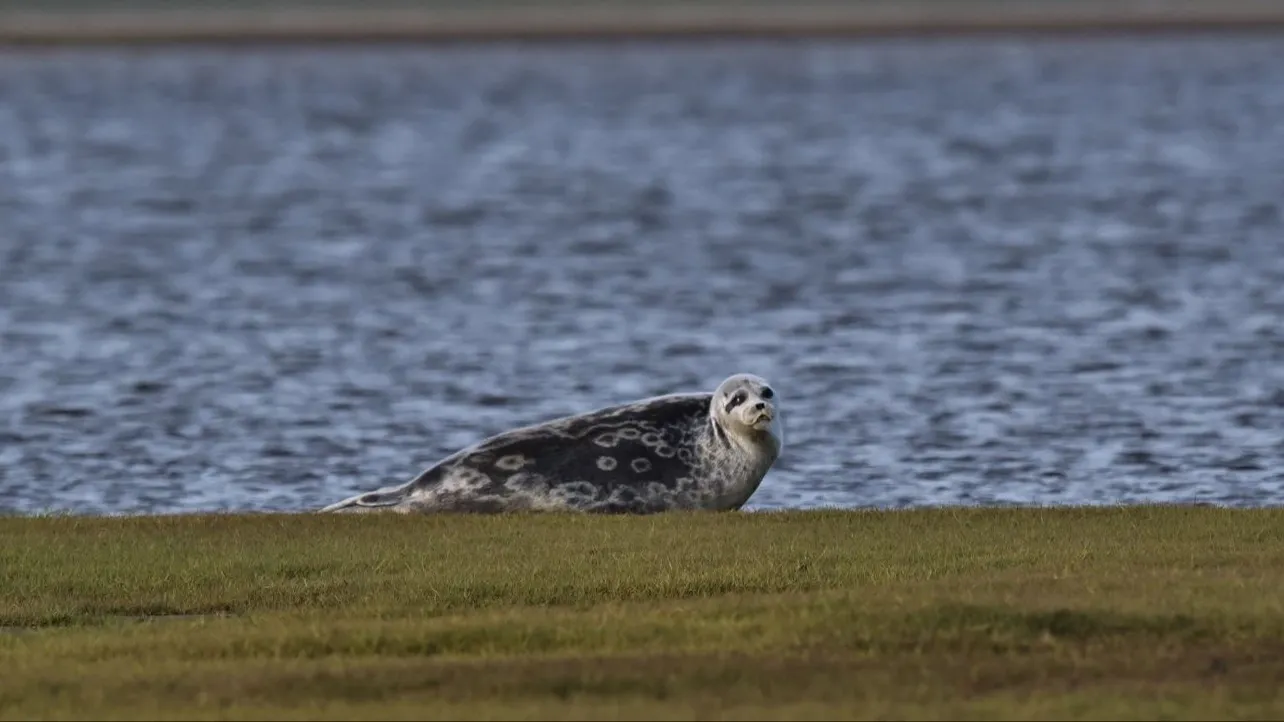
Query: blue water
[{"x": 977, "y": 271}]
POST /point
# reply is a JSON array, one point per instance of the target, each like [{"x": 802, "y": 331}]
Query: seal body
[{"x": 682, "y": 451}]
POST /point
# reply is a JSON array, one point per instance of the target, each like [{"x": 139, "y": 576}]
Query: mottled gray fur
[{"x": 682, "y": 451}]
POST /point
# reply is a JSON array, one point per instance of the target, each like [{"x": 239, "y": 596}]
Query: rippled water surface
[{"x": 983, "y": 271}]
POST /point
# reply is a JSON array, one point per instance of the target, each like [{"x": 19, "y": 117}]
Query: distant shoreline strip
[{"x": 478, "y": 22}]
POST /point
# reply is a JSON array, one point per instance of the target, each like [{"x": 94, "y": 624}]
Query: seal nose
[{"x": 759, "y": 406}]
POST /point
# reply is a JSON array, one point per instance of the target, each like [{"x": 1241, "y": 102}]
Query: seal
[{"x": 684, "y": 451}]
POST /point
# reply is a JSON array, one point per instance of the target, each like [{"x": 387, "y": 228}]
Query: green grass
[{"x": 1137, "y": 612}]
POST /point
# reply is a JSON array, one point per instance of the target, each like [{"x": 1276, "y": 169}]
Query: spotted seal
[{"x": 692, "y": 451}]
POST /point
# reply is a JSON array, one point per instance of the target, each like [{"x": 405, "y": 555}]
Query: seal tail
[{"x": 369, "y": 501}]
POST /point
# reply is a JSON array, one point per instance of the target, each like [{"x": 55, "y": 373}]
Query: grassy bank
[
  {"x": 133, "y": 21},
  {"x": 1121, "y": 613}
]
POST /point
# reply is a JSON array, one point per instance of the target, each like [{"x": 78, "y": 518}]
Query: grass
[{"x": 1119, "y": 613}]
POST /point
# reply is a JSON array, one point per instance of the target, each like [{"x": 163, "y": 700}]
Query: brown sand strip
[{"x": 479, "y": 20}]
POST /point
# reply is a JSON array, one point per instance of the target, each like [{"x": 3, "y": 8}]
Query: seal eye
[
  {"x": 767, "y": 392},
  {"x": 735, "y": 401}
]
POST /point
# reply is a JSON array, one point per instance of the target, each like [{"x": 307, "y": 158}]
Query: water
[{"x": 1018, "y": 271}]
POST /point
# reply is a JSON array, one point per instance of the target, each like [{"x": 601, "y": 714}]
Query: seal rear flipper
[{"x": 370, "y": 500}]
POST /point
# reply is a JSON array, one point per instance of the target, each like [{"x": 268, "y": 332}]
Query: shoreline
[
  {"x": 198, "y": 516},
  {"x": 588, "y": 21}
]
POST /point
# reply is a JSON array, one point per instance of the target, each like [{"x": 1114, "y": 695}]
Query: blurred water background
[{"x": 1003, "y": 270}]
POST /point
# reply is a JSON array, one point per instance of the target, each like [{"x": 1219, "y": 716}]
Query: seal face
[{"x": 680, "y": 451}]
